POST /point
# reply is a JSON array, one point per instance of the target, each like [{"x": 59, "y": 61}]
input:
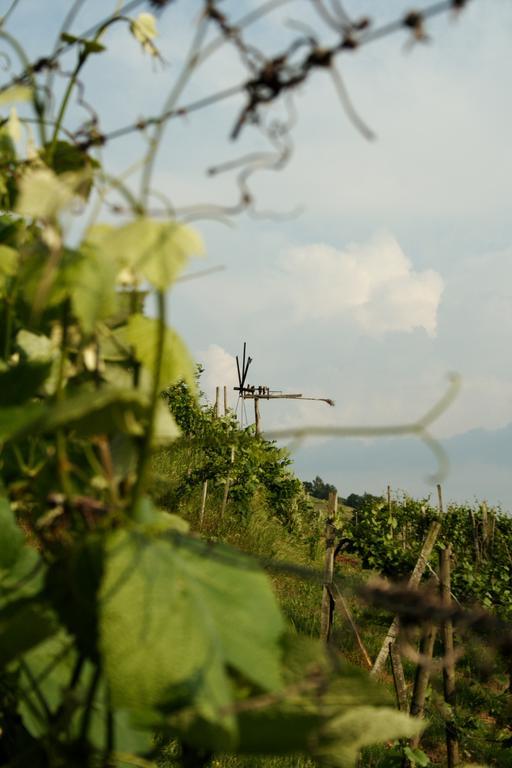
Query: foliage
[
  {"x": 116, "y": 623},
  {"x": 213, "y": 448},
  {"x": 388, "y": 538}
]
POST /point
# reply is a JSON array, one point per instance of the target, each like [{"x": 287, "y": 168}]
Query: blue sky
[{"x": 397, "y": 270}]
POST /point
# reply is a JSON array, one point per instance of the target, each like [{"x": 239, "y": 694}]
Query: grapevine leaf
[
  {"x": 141, "y": 333},
  {"x": 171, "y": 594},
  {"x": 43, "y": 194},
  {"x": 346, "y": 734},
  {"x": 23, "y": 625},
  {"x": 93, "y": 294},
  {"x": 156, "y": 250},
  {"x": 15, "y": 93},
  {"x": 98, "y": 412},
  {"x": 8, "y": 266}
]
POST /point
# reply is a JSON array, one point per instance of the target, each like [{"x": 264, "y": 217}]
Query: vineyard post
[
  {"x": 440, "y": 499},
  {"x": 422, "y": 676},
  {"x": 257, "y": 426},
  {"x": 217, "y": 403},
  {"x": 228, "y": 483},
  {"x": 327, "y": 601},
  {"x": 397, "y": 671},
  {"x": 414, "y": 580},
  {"x": 225, "y": 400},
  {"x": 203, "y": 503},
  {"x": 452, "y": 744}
]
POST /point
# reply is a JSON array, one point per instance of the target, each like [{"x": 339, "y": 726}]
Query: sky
[{"x": 380, "y": 266}]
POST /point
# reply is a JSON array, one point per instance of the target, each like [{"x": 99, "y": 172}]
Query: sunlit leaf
[
  {"x": 143, "y": 28},
  {"x": 172, "y": 596},
  {"x": 43, "y": 194},
  {"x": 14, "y": 126},
  {"x": 157, "y": 250},
  {"x": 15, "y": 93},
  {"x": 8, "y": 265},
  {"x": 93, "y": 294},
  {"x": 165, "y": 428},
  {"x": 343, "y": 737}
]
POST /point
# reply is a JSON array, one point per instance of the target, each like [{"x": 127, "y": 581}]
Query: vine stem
[
  {"x": 65, "y": 101},
  {"x": 145, "y": 451}
]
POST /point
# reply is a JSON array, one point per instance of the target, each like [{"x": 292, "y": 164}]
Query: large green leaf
[
  {"x": 93, "y": 294},
  {"x": 156, "y": 250},
  {"x": 23, "y": 625},
  {"x": 142, "y": 334},
  {"x": 97, "y": 412},
  {"x": 164, "y": 637}
]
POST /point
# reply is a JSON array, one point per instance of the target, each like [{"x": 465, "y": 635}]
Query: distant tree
[
  {"x": 318, "y": 489},
  {"x": 357, "y": 501}
]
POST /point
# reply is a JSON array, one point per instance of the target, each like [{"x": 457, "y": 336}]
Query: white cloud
[
  {"x": 219, "y": 371},
  {"x": 373, "y": 283}
]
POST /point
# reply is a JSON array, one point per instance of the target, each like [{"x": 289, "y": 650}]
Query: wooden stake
[
  {"x": 257, "y": 415},
  {"x": 452, "y": 742},
  {"x": 217, "y": 398},
  {"x": 397, "y": 671},
  {"x": 203, "y": 503},
  {"x": 226, "y": 409},
  {"x": 422, "y": 676},
  {"x": 327, "y": 601},
  {"x": 228, "y": 483},
  {"x": 414, "y": 580},
  {"x": 439, "y": 499}
]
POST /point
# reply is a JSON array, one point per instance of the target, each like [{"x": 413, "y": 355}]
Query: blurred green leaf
[
  {"x": 23, "y": 625},
  {"x": 156, "y": 250},
  {"x": 141, "y": 333},
  {"x": 172, "y": 596},
  {"x": 93, "y": 294}
]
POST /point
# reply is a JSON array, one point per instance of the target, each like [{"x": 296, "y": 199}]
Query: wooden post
[
  {"x": 422, "y": 676},
  {"x": 414, "y": 580},
  {"x": 397, "y": 671},
  {"x": 327, "y": 601},
  {"x": 217, "y": 398},
  {"x": 440, "y": 499},
  {"x": 203, "y": 503},
  {"x": 257, "y": 415},
  {"x": 228, "y": 483},
  {"x": 226, "y": 409},
  {"x": 452, "y": 742}
]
